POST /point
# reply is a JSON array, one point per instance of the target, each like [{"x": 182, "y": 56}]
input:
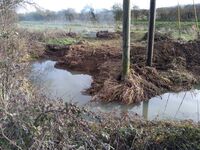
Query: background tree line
[
  {"x": 70, "y": 15},
  {"x": 88, "y": 13}
]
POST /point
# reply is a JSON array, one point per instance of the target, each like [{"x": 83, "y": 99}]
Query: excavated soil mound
[
  {"x": 107, "y": 35},
  {"x": 158, "y": 36},
  {"x": 176, "y": 66},
  {"x": 167, "y": 54},
  {"x": 170, "y": 54},
  {"x": 56, "y": 50}
]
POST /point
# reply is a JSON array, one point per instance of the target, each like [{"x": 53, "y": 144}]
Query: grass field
[
  {"x": 188, "y": 31},
  {"x": 74, "y": 27}
]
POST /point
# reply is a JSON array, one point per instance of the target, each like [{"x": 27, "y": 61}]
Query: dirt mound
[
  {"x": 57, "y": 50},
  {"x": 107, "y": 35},
  {"x": 192, "y": 53},
  {"x": 144, "y": 83},
  {"x": 158, "y": 36},
  {"x": 71, "y": 34},
  {"x": 167, "y": 55},
  {"x": 133, "y": 90},
  {"x": 53, "y": 47},
  {"x": 171, "y": 71}
]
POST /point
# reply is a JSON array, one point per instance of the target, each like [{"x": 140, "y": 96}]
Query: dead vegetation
[
  {"x": 31, "y": 121},
  {"x": 36, "y": 122}
]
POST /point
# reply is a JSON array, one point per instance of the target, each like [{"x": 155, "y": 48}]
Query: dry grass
[
  {"x": 39, "y": 123},
  {"x": 127, "y": 92}
]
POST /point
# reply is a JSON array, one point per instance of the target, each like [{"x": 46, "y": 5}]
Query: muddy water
[{"x": 69, "y": 86}]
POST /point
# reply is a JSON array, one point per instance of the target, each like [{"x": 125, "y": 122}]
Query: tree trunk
[
  {"x": 126, "y": 38},
  {"x": 152, "y": 18}
]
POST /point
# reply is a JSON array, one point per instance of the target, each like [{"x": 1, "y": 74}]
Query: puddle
[
  {"x": 60, "y": 84},
  {"x": 169, "y": 106},
  {"x": 69, "y": 86}
]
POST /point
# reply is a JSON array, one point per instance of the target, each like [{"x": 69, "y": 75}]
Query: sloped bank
[
  {"x": 45, "y": 124},
  {"x": 175, "y": 68}
]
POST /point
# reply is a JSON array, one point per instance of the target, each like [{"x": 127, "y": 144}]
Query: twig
[
  {"x": 12, "y": 142},
  {"x": 46, "y": 112},
  {"x": 180, "y": 104},
  {"x": 198, "y": 110},
  {"x": 166, "y": 103}
]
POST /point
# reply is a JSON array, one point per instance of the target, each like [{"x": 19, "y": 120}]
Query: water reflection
[
  {"x": 178, "y": 106},
  {"x": 60, "y": 84},
  {"x": 145, "y": 109}
]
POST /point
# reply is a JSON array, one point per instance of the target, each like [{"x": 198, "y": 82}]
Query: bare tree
[
  {"x": 136, "y": 12},
  {"x": 93, "y": 17},
  {"x": 118, "y": 12},
  {"x": 70, "y": 14}
]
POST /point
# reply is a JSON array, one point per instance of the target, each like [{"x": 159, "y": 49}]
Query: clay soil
[{"x": 176, "y": 67}]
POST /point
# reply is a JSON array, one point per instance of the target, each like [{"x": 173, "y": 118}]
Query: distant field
[
  {"x": 188, "y": 31},
  {"x": 136, "y": 25},
  {"x": 74, "y": 27},
  {"x": 167, "y": 24}
]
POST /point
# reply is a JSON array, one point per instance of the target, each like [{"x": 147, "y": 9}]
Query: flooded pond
[
  {"x": 70, "y": 86},
  {"x": 60, "y": 84}
]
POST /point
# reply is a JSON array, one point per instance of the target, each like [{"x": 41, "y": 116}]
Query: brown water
[{"x": 69, "y": 86}]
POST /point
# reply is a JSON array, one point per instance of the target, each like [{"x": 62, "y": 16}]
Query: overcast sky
[{"x": 99, "y": 4}]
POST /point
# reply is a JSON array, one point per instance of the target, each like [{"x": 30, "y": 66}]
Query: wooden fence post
[
  {"x": 152, "y": 18},
  {"x": 126, "y": 38},
  {"x": 179, "y": 19}
]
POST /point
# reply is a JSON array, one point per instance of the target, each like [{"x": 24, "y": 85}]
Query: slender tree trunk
[
  {"x": 152, "y": 18},
  {"x": 126, "y": 38}
]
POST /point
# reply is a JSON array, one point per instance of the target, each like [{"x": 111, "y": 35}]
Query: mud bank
[{"x": 176, "y": 67}]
